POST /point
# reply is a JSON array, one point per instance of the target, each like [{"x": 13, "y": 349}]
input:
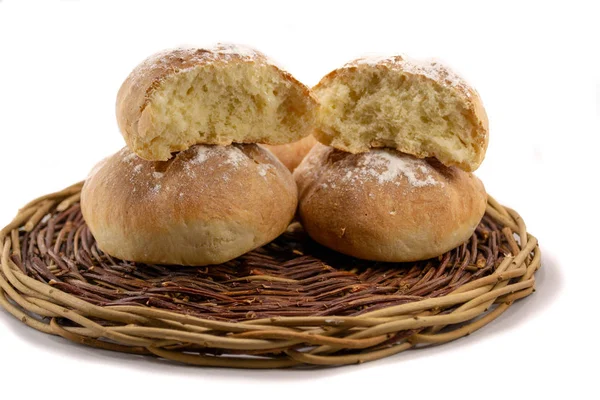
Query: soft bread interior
[
  {"x": 221, "y": 104},
  {"x": 376, "y": 107}
]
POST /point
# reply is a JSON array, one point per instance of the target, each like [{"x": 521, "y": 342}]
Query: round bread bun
[
  {"x": 292, "y": 154},
  {"x": 384, "y": 205},
  {"x": 207, "y": 205},
  {"x": 417, "y": 107},
  {"x": 222, "y": 95}
]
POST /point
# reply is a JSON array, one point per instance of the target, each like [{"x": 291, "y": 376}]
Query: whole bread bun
[
  {"x": 222, "y": 95},
  {"x": 207, "y": 205},
  {"x": 292, "y": 154},
  {"x": 417, "y": 107},
  {"x": 384, "y": 205}
]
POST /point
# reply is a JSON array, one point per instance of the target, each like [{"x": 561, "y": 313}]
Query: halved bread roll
[
  {"x": 223, "y": 95},
  {"x": 419, "y": 108}
]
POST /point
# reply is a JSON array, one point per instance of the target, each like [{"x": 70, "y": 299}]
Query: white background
[{"x": 537, "y": 69}]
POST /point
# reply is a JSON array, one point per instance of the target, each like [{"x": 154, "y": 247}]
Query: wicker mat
[{"x": 290, "y": 303}]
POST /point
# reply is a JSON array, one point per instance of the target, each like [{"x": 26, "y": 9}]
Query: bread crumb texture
[
  {"x": 418, "y": 107},
  {"x": 223, "y": 95}
]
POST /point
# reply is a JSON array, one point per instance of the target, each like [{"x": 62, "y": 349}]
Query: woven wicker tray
[{"x": 287, "y": 304}]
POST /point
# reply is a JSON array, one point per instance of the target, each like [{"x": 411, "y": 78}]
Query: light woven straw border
[{"x": 264, "y": 343}]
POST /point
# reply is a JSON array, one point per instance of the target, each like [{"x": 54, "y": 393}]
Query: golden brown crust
[
  {"x": 136, "y": 91},
  {"x": 386, "y": 206},
  {"x": 427, "y": 70},
  {"x": 206, "y": 205},
  {"x": 292, "y": 154}
]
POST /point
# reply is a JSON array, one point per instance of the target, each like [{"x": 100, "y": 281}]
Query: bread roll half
[
  {"x": 418, "y": 107},
  {"x": 207, "y": 205},
  {"x": 383, "y": 205},
  {"x": 222, "y": 95}
]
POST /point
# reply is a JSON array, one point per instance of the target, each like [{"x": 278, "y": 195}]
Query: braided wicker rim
[{"x": 287, "y": 304}]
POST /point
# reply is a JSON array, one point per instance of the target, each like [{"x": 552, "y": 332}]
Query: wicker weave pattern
[{"x": 279, "y": 306}]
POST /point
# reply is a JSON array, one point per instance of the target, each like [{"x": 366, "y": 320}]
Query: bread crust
[
  {"x": 428, "y": 70},
  {"x": 207, "y": 205},
  {"x": 137, "y": 90},
  {"x": 292, "y": 154},
  {"x": 406, "y": 210}
]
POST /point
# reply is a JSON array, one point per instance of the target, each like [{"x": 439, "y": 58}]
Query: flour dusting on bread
[
  {"x": 231, "y": 154},
  {"x": 431, "y": 68},
  {"x": 380, "y": 165},
  {"x": 385, "y": 166},
  {"x": 187, "y": 57},
  {"x": 235, "y": 156},
  {"x": 237, "y": 50},
  {"x": 128, "y": 156}
]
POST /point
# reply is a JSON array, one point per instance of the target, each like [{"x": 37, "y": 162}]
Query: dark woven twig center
[{"x": 292, "y": 276}]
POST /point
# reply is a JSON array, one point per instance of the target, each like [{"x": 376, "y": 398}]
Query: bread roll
[
  {"x": 207, "y": 205},
  {"x": 227, "y": 94},
  {"x": 417, "y": 107},
  {"x": 293, "y": 153},
  {"x": 386, "y": 206}
]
